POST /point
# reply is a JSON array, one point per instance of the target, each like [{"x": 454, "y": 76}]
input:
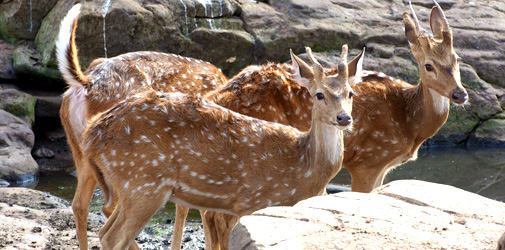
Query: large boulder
[
  {"x": 20, "y": 19},
  {"x": 399, "y": 215},
  {"x": 16, "y": 142}
]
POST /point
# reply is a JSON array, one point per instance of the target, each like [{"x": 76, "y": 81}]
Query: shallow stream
[{"x": 478, "y": 170}]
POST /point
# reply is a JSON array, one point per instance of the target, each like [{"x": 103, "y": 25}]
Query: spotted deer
[
  {"x": 273, "y": 92},
  {"x": 392, "y": 118},
  {"x": 106, "y": 82},
  {"x": 201, "y": 155}
]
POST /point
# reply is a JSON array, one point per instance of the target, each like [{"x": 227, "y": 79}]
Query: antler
[{"x": 342, "y": 66}]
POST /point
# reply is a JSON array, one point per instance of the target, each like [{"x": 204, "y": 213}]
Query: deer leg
[
  {"x": 364, "y": 178},
  {"x": 181, "y": 212},
  {"x": 86, "y": 184},
  {"x": 211, "y": 236},
  {"x": 224, "y": 225},
  {"x": 127, "y": 220},
  {"x": 206, "y": 230}
]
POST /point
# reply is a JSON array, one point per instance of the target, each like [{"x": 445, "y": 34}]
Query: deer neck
[
  {"x": 324, "y": 146},
  {"x": 430, "y": 110}
]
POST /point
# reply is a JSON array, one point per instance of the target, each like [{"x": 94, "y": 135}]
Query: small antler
[
  {"x": 316, "y": 66},
  {"x": 416, "y": 21},
  {"x": 342, "y": 66}
]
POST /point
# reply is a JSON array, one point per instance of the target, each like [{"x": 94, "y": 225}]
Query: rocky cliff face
[{"x": 235, "y": 33}]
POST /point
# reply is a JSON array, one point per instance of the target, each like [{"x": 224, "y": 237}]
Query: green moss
[
  {"x": 19, "y": 104},
  {"x": 492, "y": 128},
  {"x": 459, "y": 122}
]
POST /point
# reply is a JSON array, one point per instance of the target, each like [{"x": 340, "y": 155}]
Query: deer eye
[
  {"x": 320, "y": 96},
  {"x": 458, "y": 59},
  {"x": 351, "y": 94},
  {"x": 428, "y": 67}
]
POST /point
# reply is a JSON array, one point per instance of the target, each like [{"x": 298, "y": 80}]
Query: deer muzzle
[
  {"x": 344, "y": 119},
  {"x": 459, "y": 96}
]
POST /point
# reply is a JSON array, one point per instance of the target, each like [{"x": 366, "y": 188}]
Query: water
[
  {"x": 31, "y": 17},
  {"x": 478, "y": 170},
  {"x": 481, "y": 171},
  {"x": 185, "y": 15},
  {"x": 105, "y": 9}
]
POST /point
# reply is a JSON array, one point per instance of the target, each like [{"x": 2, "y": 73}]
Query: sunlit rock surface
[{"x": 400, "y": 215}]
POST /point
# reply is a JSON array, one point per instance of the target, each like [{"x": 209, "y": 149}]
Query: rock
[
  {"x": 490, "y": 132},
  {"x": 400, "y": 215},
  {"x": 27, "y": 63},
  {"x": 20, "y": 19},
  {"x": 4, "y": 183},
  {"x": 19, "y": 104},
  {"x": 33, "y": 219},
  {"x": 6, "y": 68},
  {"x": 501, "y": 242},
  {"x": 48, "y": 106},
  {"x": 16, "y": 142},
  {"x": 43, "y": 153}
]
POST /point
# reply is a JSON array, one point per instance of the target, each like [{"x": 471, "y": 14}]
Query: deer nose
[
  {"x": 459, "y": 96},
  {"x": 344, "y": 119}
]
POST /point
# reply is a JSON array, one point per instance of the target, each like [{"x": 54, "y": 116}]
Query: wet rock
[
  {"x": 43, "y": 153},
  {"x": 4, "y": 183},
  {"x": 399, "y": 215},
  {"x": 490, "y": 132},
  {"x": 16, "y": 142}
]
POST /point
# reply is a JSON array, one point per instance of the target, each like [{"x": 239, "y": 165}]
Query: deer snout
[
  {"x": 459, "y": 96},
  {"x": 344, "y": 119}
]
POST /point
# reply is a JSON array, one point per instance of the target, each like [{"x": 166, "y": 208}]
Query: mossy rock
[
  {"x": 27, "y": 61},
  {"x": 492, "y": 129},
  {"x": 19, "y": 104}
]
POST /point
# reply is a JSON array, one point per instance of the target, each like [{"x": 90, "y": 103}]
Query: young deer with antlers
[
  {"x": 201, "y": 155},
  {"x": 105, "y": 83},
  {"x": 391, "y": 117},
  {"x": 271, "y": 91}
]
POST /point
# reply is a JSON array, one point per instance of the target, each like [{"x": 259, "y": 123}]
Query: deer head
[
  {"x": 437, "y": 60},
  {"x": 331, "y": 92}
]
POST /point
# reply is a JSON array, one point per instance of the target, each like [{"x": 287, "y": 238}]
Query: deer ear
[
  {"x": 355, "y": 68},
  {"x": 411, "y": 31},
  {"x": 436, "y": 23},
  {"x": 303, "y": 72}
]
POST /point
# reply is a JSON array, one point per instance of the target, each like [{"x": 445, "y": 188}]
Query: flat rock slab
[
  {"x": 400, "y": 215},
  {"x": 31, "y": 219}
]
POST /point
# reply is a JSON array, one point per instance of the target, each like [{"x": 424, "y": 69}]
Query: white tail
[
  {"x": 109, "y": 81},
  {"x": 200, "y": 155}
]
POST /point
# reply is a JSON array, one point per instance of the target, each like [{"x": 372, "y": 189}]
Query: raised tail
[{"x": 66, "y": 49}]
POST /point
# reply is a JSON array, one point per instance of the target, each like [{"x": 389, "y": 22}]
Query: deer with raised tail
[
  {"x": 108, "y": 81},
  {"x": 392, "y": 118},
  {"x": 204, "y": 156}
]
